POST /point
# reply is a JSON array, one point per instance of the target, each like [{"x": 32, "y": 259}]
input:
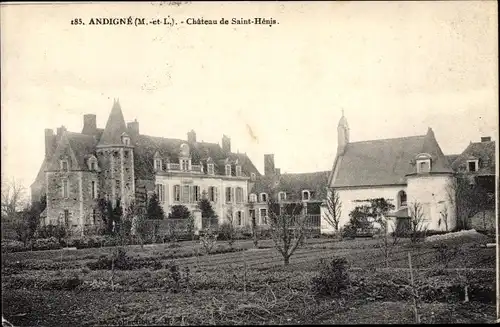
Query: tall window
[
  {"x": 65, "y": 188},
  {"x": 66, "y": 218},
  {"x": 93, "y": 187},
  {"x": 228, "y": 170},
  {"x": 253, "y": 198},
  {"x": 196, "y": 194},
  {"x": 282, "y": 196},
  {"x": 160, "y": 192},
  {"x": 252, "y": 177},
  {"x": 305, "y": 195},
  {"x": 177, "y": 193},
  {"x": 238, "y": 170},
  {"x": 212, "y": 194},
  {"x": 93, "y": 216},
  {"x": 423, "y": 161},
  {"x": 239, "y": 195},
  {"x": 185, "y": 193},
  {"x": 228, "y": 195},
  {"x": 210, "y": 168},
  {"x": 401, "y": 199},
  {"x": 239, "y": 218},
  {"x": 263, "y": 216}
]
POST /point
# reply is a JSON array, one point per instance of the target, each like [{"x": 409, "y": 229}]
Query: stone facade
[{"x": 118, "y": 163}]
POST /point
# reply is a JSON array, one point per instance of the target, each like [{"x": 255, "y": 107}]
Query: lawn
[{"x": 177, "y": 284}]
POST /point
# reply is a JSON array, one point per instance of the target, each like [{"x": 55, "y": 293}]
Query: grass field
[{"x": 249, "y": 286}]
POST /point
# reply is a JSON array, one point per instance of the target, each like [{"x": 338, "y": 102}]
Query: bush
[
  {"x": 226, "y": 232},
  {"x": 13, "y": 246},
  {"x": 119, "y": 260},
  {"x": 348, "y": 231},
  {"x": 332, "y": 279},
  {"x": 51, "y": 243},
  {"x": 56, "y": 231}
]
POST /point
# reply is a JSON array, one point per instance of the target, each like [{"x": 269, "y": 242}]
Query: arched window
[
  {"x": 401, "y": 199},
  {"x": 253, "y": 197},
  {"x": 305, "y": 195},
  {"x": 282, "y": 196}
]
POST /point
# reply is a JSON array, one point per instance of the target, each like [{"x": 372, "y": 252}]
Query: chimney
[
  {"x": 191, "y": 137},
  {"x": 486, "y": 139},
  {"x": 269, "y": 164},
  {"x": 89, "y": 124},
  {"x": 226, "y": 144},
  {"x": 133, "y": 128},
  {"x": 49, "y": 142},
  {"x": 60, "y": 131}
]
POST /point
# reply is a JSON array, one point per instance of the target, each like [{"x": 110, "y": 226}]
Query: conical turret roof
[{"x": 115, "y": 127}]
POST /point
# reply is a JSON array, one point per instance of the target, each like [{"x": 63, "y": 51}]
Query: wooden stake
[{"x": 414, "y": 291}]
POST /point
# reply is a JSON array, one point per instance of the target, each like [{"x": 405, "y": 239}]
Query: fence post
[{"x": 198, "y": 224}]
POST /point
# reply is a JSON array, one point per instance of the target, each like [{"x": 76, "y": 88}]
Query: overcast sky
[{"x": 395, "y": 68}]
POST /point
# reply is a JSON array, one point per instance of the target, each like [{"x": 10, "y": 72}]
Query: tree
[
  {"x": 287, "y": 227},
  {"x": 13, "y": 199},
  {"x": 227, "y": 228},
  {"x": 111, "y": 216},
  {"x": 255, "y": 236},
  {"x": 154, "y": 209},
  {"x": 468, "y": 198},
  {"x": 417, "y": 221},
  {"x": 206, "y": 208},
  {"x": 334, "y": 209},
  {"x": 376, "y": 210},
  {"x": 179, "y": 211}
]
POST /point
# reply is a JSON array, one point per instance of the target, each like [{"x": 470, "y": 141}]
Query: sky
[{"x": 395, "y": 68}]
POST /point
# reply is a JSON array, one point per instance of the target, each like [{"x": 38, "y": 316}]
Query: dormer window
[
  {"x": 125, "y": 139},
  {"x": 282, "y": 196},
  {"x": 210, "y": 168},
  {"x": 423, "y": 162},
  {"x": 64, "y": 165},
  {"x": 252, "y": 177},
  {"x": 184, "y": 164},
  {"x": 92, "y": 163},
  {"x": 263, "y": 197},
  {"x": 472, "y": 165},
  {"x": 238, "y": 170},
  {"x": 306, "y": 195},
  {"x": 158, "y": 164},
  {"x": 228, "y": 170},
  {"x": 253, "y": 198}
]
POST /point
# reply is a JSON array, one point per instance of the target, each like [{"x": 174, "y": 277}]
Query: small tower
[
  {"x": 342, "y": 135},
  {"x": 116, "y": 157}
]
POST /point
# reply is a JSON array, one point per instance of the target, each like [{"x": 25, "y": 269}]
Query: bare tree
[
  {"x": 417, "y": 221},
  {"x": 388, "y": 239},
  {"x": 255, "y": 236},
  {"x": 13, "y": 199},
  {"x": 287, "y": 227},
  {"x": 443, "y": 217},
  {"x": 334, "y": 208}
]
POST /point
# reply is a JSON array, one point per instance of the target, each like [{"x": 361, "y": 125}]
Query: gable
[{"x": 63, "y": 152}]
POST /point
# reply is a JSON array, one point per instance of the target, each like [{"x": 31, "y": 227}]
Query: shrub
[
  {"x": 56, "y": 231},
  {"x": 51, "y": 243},
  {"x": 13, "y": 246},
  {"x": 332, "y": 279},
  {"x": 121, "y": 261},
  {"x": 208, "y": 240},
  {"x": 349, "y": 231}
]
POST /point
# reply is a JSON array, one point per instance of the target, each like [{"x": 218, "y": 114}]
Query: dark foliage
[
  {"x": 332, "y": 279},
  {"x": 179, "y": 212},
  {"x": 154, "y": 209}
]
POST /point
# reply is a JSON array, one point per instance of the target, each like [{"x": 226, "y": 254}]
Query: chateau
[{"x": 119, "y": 163}]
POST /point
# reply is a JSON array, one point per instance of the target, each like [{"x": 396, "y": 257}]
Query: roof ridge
[{"x": 390, "y": 139}]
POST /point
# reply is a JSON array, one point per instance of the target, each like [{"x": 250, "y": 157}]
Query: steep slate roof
[
  {"x": 294, "y": 184},
  {"x": 146, "y": 147},
  {"x": 451, "y": 158},
  {"x": 386, "y": 162},
  {"x": 83, "y": 147},
  {"x": 114, "y": 127},
  {"x": 484, "y": 151}
]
